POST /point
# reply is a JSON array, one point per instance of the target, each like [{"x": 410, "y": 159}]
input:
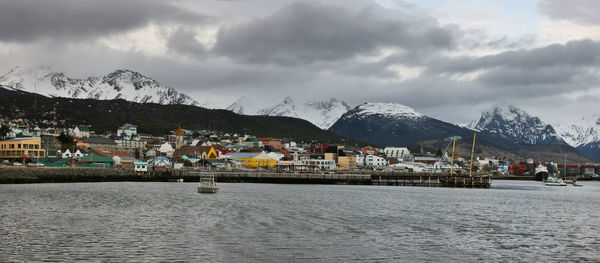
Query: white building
[
  {"x": 372, "y": 161},
  {"x": 141, "y": 166},
  {"x": 127, "y": 131},
  {"x": 397, "y": 152},
  {"x": 81, "y": 132},
  {"x": 319, "y": 164}
]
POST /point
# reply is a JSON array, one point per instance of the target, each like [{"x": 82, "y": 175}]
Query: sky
[{"x": 447, "y": 59}]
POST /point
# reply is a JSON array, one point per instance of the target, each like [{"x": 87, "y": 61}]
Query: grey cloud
[
  {"x": 572, "y": 54},
  {"x": 183, "y": 41},
  {"x": 579, "y": 11},
  {"x": 304, "y": 32},
  {"x": 28, "y": 20}
]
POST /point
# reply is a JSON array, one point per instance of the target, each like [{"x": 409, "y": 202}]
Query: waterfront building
[
  {"x": 397, "y": 152},
  {"x": 140, "y": 166},
  {"x": 372, "y": 161},
  {"x": 22, "y": 147},
  {"x": 319, "y": 164},
  {"x": 252, "y": 160}
]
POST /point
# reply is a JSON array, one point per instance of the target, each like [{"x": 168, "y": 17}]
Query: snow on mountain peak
[
  {"x": 509, "y": 121},
  {"x": 581, "y": 131},
  {"x": 387, "y": 109},
  {"x": 120, "y": 84},
  {"x": 323, "y": 114},
  {"x": 243, "y": 105}
]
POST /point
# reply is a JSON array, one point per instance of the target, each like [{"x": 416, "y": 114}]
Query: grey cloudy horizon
[{"x": 449, "y": 60}]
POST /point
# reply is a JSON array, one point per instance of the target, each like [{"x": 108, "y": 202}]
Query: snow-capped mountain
[
  {"x": 584, "y": 130},
  {"x": 120, "y": 84},
  {"x": 583, "y": 134},
  {"x": 321, "y": 113},
  {"x": 509, "y": 122},
  {"x": 393, "y": 124},
  {"x": 243, "y": 105}
]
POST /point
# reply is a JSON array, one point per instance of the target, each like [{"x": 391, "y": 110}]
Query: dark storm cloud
[
  {"x": 28, "y": 20},
  {"x": 304, "y": 32},
  {"x": 579, "y": 11}
]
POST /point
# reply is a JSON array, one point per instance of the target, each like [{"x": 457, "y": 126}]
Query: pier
[
  {"x": 101, "y": 174},
  {"x": 393, "y": 179}
]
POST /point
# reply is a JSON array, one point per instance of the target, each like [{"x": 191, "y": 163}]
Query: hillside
[{"x": 107, "y": 115}]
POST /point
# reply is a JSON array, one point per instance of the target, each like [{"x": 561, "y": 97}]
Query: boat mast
[
  {"x": 472, "y": 153},
  {"x": 452, "y": 162}
]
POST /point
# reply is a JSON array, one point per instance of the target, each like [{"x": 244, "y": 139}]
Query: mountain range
[
  {"x": 509, "y": 122},
  {"x": 399, "y": 125},
  {"x": 503, "y": 126},
  {"x": 120, "y": 84},
  {"x": 321, "y": 113}
]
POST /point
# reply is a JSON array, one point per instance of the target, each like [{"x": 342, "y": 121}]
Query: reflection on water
[{"x": 514, "y": 221}]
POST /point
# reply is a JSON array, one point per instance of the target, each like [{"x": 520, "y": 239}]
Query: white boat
[
  {"x": 207, "y": 184},
  {"x": 553, "y": 181}
]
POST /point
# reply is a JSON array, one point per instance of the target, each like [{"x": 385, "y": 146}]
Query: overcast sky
[{"x": 447, "y": 59}]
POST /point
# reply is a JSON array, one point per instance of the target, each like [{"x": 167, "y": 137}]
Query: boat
[
  {"x": 553, "y": 181},
  {"x": 541, "y": 172},
  {"x": 207, "y": 184}
]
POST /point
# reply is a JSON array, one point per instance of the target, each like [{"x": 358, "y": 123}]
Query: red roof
[{"x": 269, "y": 139}]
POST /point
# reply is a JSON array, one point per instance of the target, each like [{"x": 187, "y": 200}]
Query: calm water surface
[{"x": 514, "y": 221}]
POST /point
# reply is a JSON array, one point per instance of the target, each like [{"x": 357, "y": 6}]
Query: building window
[{"x": 19, "y": 146}]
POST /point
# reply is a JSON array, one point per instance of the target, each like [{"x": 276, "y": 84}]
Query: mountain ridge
[{"x": 119, "y": 84}]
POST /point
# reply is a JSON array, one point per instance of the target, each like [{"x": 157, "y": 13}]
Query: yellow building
[
  {"x": 252, "y": 160},
  {"x": 22, "y": 147}
]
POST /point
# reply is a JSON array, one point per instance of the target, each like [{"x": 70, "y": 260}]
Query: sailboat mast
[
  {"x": 452, "y": 162},
  {"x": 472, "y": 153}
]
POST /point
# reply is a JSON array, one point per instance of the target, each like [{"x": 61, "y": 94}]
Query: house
[
  {"x": 22, "y": 147},
  {"x": 67, "y": 154},
  {"x": 252, "y": 160},
  {"x": 200, "y": 152},
  {"x": 128, "y": 139},
  {"x": 81, "y": 132},
  {"x": 161, "y": 162},
  {"x": 140, "y": 166},
  {"x": 97, "y": 144},
  {"x": 275, "y": 143},
  {"x": 166, "y": 149},
  {"x": 127, "y": 131}
]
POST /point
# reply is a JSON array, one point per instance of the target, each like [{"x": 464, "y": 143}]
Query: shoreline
[{"x": 28, "y": 175}]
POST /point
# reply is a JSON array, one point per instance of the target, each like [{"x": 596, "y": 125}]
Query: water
[{"x": 514, "y": 221}]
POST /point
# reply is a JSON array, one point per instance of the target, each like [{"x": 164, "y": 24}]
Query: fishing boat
[
  {"x": 553, "y": 181},
  {"x": 207, "y": 184}
]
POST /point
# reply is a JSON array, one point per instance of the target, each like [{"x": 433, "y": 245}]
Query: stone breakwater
[{"x": 12, "y": 175}]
